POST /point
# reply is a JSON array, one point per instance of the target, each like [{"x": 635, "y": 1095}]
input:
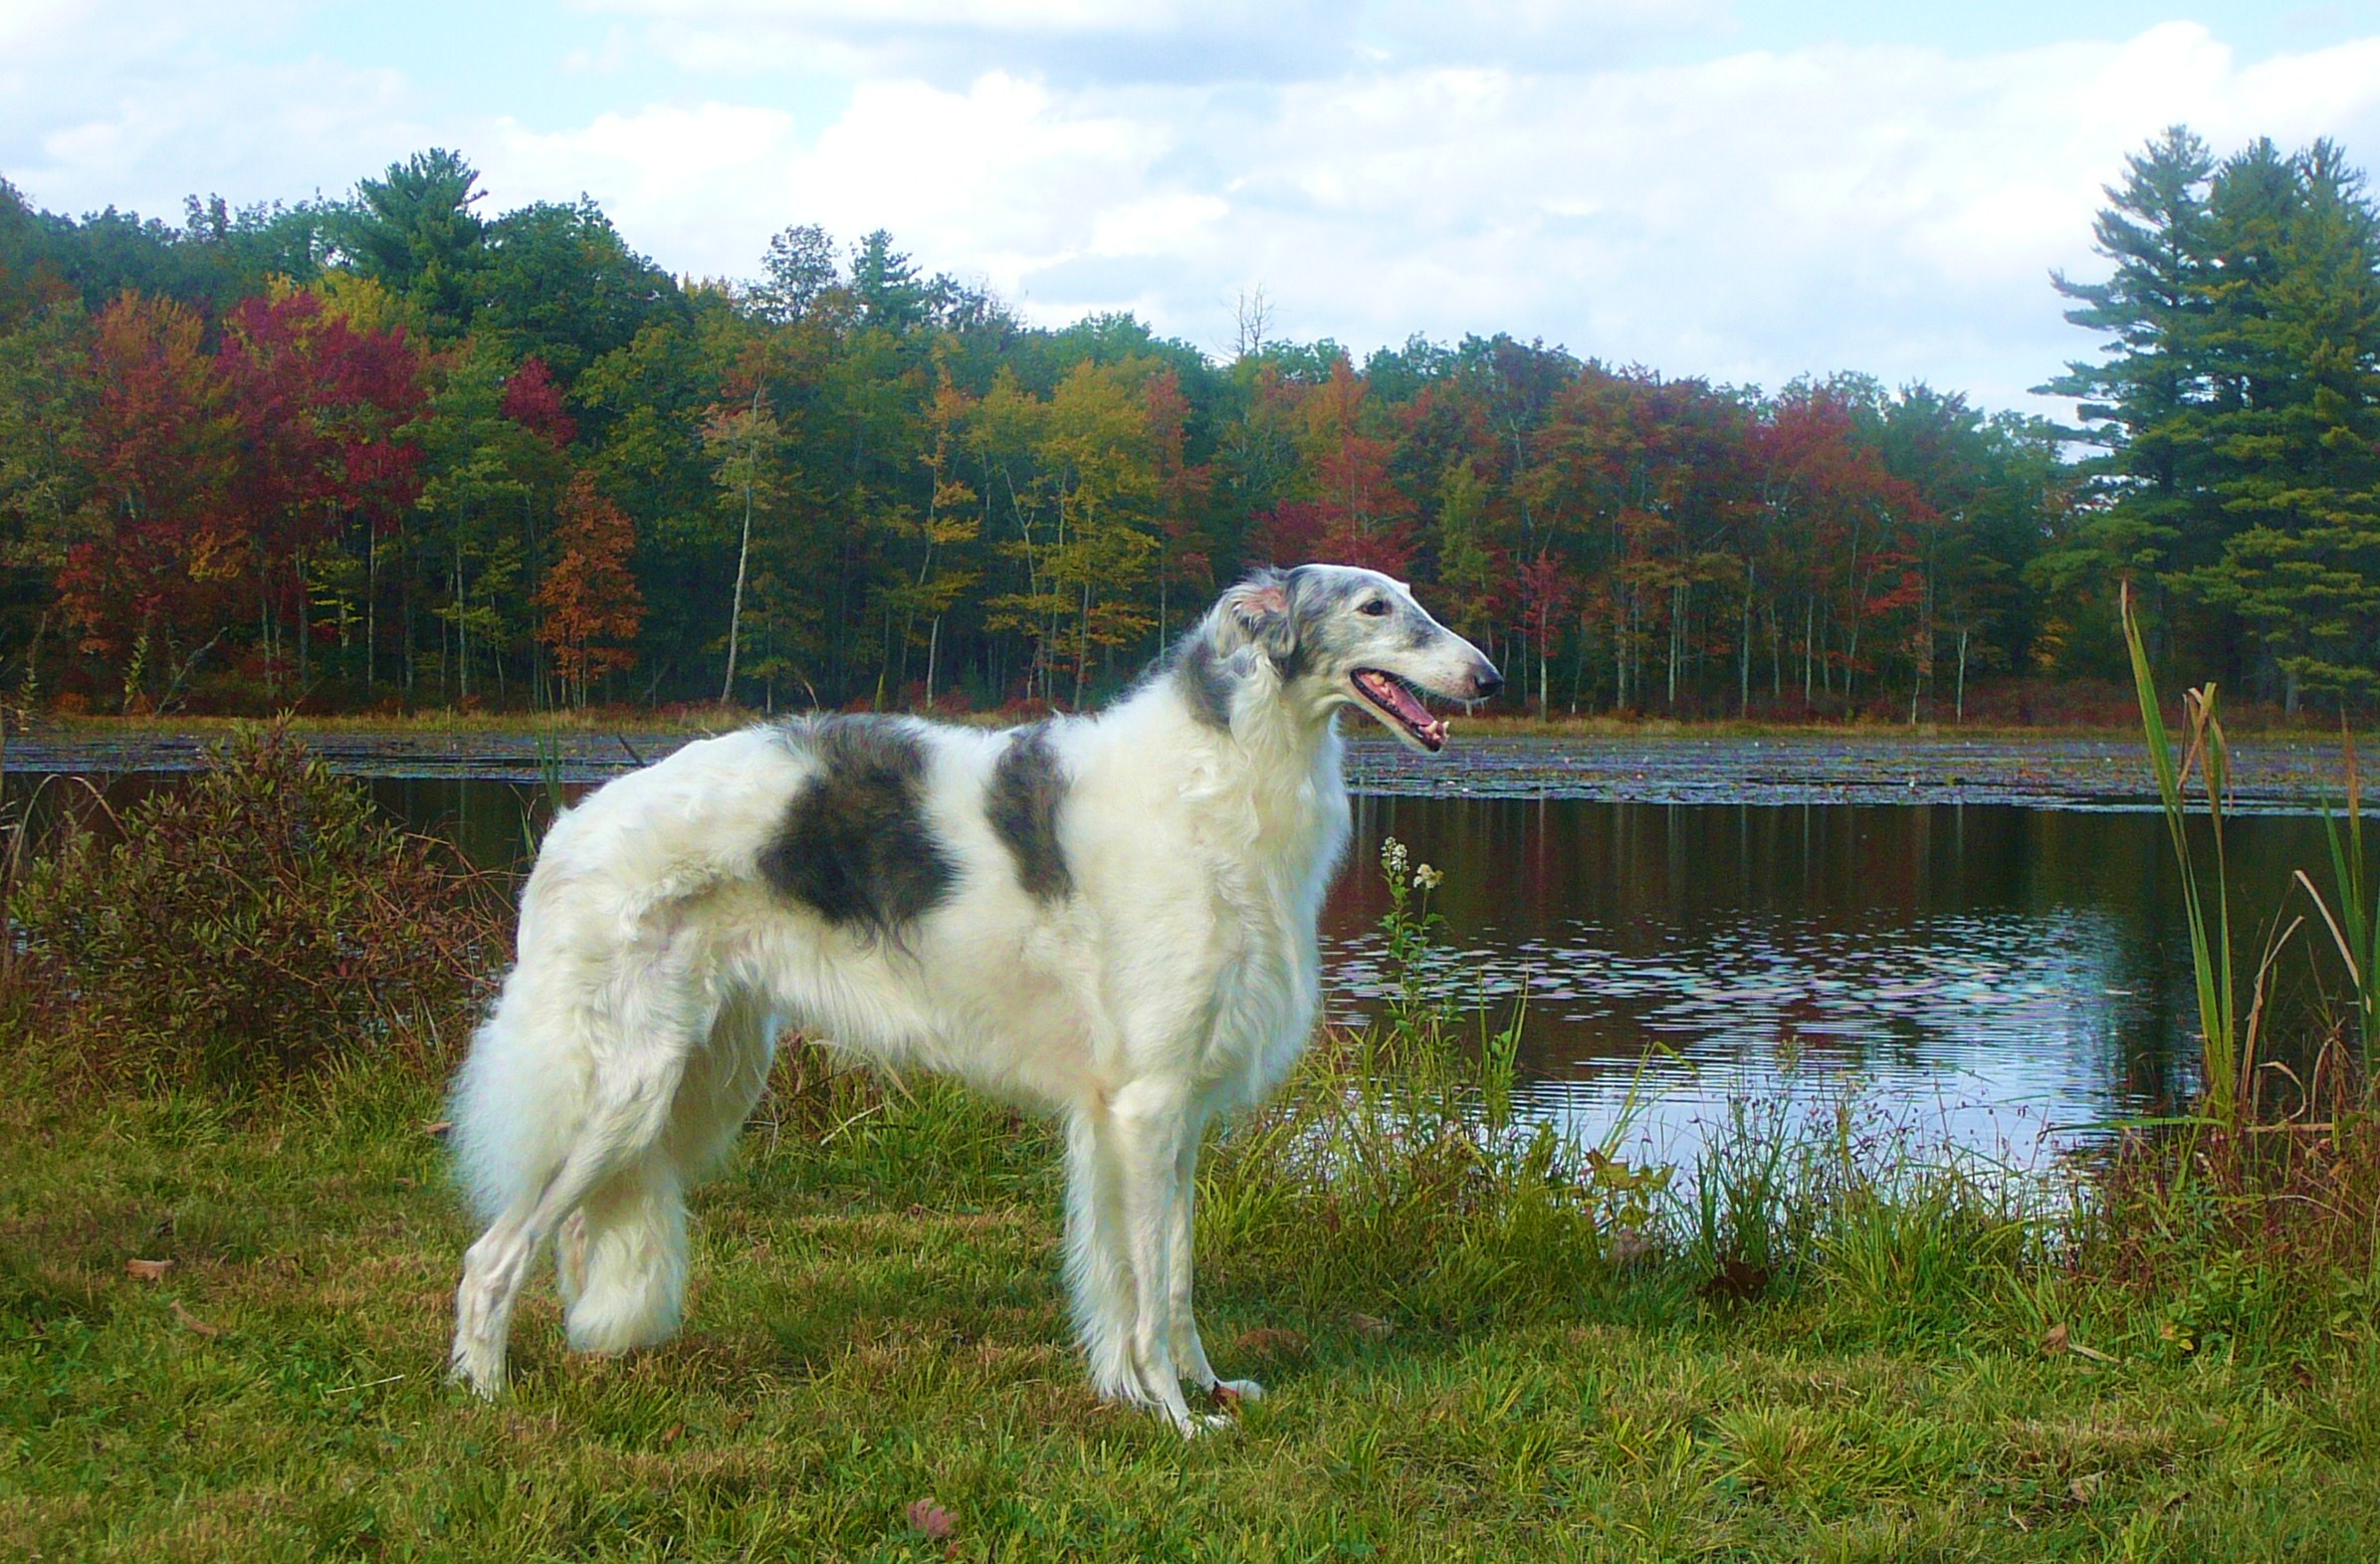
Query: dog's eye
[{"x": 1373, "y": 607}]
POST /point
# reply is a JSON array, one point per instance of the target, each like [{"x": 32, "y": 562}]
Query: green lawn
[{"x": 876, "y": 1322}]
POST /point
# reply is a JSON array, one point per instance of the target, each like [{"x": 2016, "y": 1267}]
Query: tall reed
[
  {"x": 2211, "y": 958},
  {"x": 2354, "y": 923}
]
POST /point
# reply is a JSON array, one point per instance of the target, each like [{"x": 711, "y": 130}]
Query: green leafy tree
[{"x": 744, "y": 445}]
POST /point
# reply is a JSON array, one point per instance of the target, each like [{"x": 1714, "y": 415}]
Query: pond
[{"x": 1997, "y": 967}]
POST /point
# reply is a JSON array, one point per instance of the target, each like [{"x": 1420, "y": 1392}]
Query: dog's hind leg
[
  {"x": 634, "y": 1053},
  {"x": 628, "y": 1287},
  {"x": 621, "y": 1123}
]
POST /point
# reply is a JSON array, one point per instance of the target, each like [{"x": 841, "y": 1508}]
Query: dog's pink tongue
[{"x": 1401, "y": 701}]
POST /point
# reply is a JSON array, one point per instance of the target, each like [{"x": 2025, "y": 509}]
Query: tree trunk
[
  {"x": 1961, "y": 707},
  {"x": 462, "y": 630},
  {"x": 305, "y": 648},
  {"x": 1677, "y": 625},
  {"x": 727, "y": 688},
  {"x": 1082, "y": 646},
  {"x": 1809, "y": 628},
  {"x": 1743, "y": 705}
]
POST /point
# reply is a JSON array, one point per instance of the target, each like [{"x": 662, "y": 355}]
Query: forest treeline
[{"x": 391, "y": 451}]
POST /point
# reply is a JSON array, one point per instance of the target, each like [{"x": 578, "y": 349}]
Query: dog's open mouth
[{"x": 1400, "y": 703}]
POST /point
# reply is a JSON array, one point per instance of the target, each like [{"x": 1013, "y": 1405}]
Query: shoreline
[{"x": 1667, "y": 765}]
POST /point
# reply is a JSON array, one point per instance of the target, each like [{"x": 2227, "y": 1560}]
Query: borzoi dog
[{"x": 1112, "y": 917}]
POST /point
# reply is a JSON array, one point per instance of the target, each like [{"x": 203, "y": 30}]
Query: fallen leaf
[
  {"x": 192, "y": 1321},
  {"x": 2086, "y": 1485},
  {"x": 147, "y": 1270},
  {"x": 931, "y": 1519},
  {"x": 1270, "y": 1341},
  {"x": 1370, "y": 1326},
  {"x": 437, "y": 1128},
  {"x": 2060, "y": 1339}
]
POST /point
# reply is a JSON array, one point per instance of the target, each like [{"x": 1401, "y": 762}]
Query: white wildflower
[{"x": 1427, "y": 877}]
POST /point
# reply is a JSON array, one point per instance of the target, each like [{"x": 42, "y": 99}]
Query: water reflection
[{"x": 1976, "y": 974}]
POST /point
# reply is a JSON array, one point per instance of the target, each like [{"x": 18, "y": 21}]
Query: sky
[{"x": 1740, "y": 189}]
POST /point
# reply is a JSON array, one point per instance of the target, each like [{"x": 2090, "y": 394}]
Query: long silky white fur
[{"x": 656, "y": 967}]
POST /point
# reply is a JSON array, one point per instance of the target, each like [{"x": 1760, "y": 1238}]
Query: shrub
[{"x": 260, "y": 918}]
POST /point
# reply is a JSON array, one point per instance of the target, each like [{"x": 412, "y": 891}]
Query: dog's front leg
[
  {"x": 1189, "y": 1352},
  {"x": 1145, "y": 1125}
]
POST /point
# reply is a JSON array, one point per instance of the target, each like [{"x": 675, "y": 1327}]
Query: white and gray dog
[{"x": 1109, "y": 916}]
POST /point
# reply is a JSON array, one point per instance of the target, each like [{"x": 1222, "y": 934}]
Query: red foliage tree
[
  {"x": 1362, "y": 517},
  {"x": 533, "y": 400},
  {"x": 1181, "y": 491},
  {"x": 322, "y": 409},
  {"x": 158, "y": 545}
]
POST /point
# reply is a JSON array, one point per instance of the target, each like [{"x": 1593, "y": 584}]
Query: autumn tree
[
  {"x": 588, "y": 602},
  {"x": 323, "y": 411},
  {"x": 159, "y": 550}
]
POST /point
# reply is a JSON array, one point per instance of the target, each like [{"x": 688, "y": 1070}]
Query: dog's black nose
[{"x": 1488, "y": 683}]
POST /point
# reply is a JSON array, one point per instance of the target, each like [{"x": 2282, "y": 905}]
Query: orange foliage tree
[{"x": 591, "y": 605}]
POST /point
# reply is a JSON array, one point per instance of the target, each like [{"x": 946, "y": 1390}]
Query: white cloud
[
  {"x": 137, "y": 104},
  {"x": 1083, "y": 42},
  {"x": 684, "y": 174},
  {"x": 1380, "y": 170}
]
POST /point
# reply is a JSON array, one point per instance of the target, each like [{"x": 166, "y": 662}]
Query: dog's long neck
[{"x": 1272, "y": 771}]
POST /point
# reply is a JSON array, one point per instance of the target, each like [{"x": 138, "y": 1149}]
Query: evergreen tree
[
  {"x": 413, "y": 231},
  {"x": 2299, "y": 442},
  {"x": 2141, "y": 402}
]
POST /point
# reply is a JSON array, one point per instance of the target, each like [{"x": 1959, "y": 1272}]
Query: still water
[{"x": 1998, "y": 979}]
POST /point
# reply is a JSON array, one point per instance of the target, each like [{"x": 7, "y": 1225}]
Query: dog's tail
[{"x": 503, "y": 1141}]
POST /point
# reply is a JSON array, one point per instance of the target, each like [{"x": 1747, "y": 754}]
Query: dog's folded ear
[{"x": 1259, "y": 612}]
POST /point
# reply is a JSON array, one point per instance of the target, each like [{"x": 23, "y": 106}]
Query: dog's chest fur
[{"x": 1275, "y": 840}]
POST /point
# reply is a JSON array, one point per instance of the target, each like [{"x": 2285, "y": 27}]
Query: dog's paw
[
  {"x": 1191, "y": 1425},
  {"x": 475, "y": 1370}
]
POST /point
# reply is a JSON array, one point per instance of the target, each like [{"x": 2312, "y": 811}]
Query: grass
[{"x": 877, "y": 1322}]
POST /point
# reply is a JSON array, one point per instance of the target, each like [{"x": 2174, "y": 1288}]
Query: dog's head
[{"x": 1332, "y": 635}]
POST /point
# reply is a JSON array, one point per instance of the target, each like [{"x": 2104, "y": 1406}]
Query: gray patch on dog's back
[
  {"x": 1205, "y": 687},
  {"x": 1028, "y": 786},
  {"x": 855, "y": 847}
]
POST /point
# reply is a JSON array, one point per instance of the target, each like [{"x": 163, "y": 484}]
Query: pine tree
[
  {"x": 2142, "y": 402},
  {"x": 2299, "y": 436}
]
